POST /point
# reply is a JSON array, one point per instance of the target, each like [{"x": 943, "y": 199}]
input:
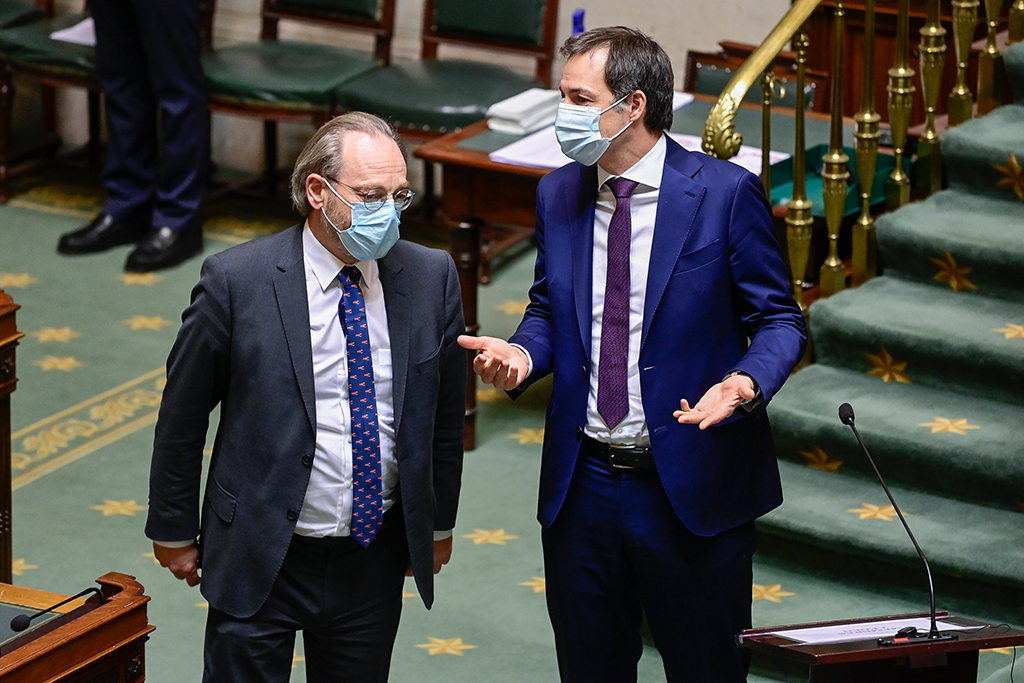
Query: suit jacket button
[
  {"x": 292, "y": 515},
  {"x": 307, "y": 460},
  {"x": 579, "y": 433}
]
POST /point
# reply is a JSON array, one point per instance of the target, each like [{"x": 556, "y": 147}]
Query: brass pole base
[
  {"x": 897, "y": 193},
  {"x": 929, "y": 168},
  {"x": 961, "y": 108},
  {"x": 864, "y": 259},
  {"x": 991, "y": 82},
  {"x": 832, "y": 279}
]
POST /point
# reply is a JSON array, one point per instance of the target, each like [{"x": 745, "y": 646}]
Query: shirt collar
[
  {"x": 324, "y": 265},
  {"x": 646, "y": 172}
]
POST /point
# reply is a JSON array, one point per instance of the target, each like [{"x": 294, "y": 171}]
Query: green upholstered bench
[{"x": 19, "y": 12}]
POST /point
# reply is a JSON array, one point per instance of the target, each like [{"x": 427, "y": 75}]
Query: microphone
[
  {"x": 22, "y": 621},
  {"x": 910, "y": 634}
]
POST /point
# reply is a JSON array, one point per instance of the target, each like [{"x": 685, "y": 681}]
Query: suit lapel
[
  {"x": 580, "y": 205},
  {"x": 399, "y": 312},
  {"x": 293, "y": 305},
  {"x": 678, "y": 201}
]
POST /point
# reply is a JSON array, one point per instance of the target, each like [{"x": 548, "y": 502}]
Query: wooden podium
[
  {"x": 860, "y": 661},
  {"x": 86, "y": 642}
]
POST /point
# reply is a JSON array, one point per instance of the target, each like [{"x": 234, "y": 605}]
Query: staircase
[{"x": 931, "y": 356}]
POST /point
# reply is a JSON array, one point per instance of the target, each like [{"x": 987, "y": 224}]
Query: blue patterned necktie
[
  {"x": 366, "y": 483},
  {"x": 612, "y": 393}
]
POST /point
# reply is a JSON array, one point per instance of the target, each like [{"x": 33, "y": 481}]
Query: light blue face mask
[
  {"x": 372, "y": 233},
  {"x": 578, "y": 130}
]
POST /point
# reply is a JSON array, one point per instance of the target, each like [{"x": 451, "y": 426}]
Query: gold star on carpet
[
  {"x": 66, "y": 363},
  {"x": 20, "y": 566},
  {"x": 20, "y": 280},
  {"x": 1000, "y": 650},
  {"x": 202, "y": 605},
  {"x": 538, "y": 584},
  {"x": 484, "y": 536},
  {"x": 141, "y": 322},
  {"x": 296, "y": 658},
  {"x": 119, "y": 507},
  {"x": 489, "y": 395},
  {"x": 140, "y": 278},
  {"x": 941, "y": 425},
  {"x": 887, "y": 367},
  {"x": 407, "y": 594},
  {"x": 512, "y": 307},
  {"x": 525, "y": 436},
  {"x": 820, "y": 460},
  {"x": 60, "y": 334},
  {"x": 152, "y": 556},
  {"x": 1011, "y": 331},
  {"x": 446, "y": 646},
  {"x": 869, "y": 511},
  {"x": 772, "y": 593},
  {"x": 952, "y": 273},
  {"x": 1014, "y": 176}
]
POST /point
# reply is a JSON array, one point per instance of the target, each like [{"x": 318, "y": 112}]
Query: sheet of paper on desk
[
  {"x": 541, "y": 148},
  {"x": 868, "y": 630},
  {"x": 82, "y": 33}
]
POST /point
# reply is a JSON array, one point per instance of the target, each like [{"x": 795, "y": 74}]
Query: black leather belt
[{"x": 619, "y": 457}]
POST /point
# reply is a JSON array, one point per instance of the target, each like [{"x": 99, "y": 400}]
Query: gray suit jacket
[{"x": 244, "y": 344}]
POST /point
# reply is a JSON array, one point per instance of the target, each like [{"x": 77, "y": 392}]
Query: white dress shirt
[
  {"x": 643, "y": 209},
  {"x": 327, "y": 508}
]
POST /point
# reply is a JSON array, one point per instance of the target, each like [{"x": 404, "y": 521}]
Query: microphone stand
[{"x": 909, "y": 635}]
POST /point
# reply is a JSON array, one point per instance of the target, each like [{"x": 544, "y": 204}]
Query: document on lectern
[{"x": 864, "y": 630}]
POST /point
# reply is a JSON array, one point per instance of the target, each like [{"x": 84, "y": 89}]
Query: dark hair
[{"x": 635, "y": 62}]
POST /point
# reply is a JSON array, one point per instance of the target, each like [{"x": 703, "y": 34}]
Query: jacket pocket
[
  {"x": 221, "y": 502},
  {"x": 430, "y": 362},
  {"x": 692, "y": 260}
]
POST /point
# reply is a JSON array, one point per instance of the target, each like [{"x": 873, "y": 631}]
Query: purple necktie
[
  {"x": 612, "y": 394},
  {"x": 366, "y": 484}
]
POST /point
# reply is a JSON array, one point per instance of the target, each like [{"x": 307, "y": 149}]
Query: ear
[
  {"x": 314, "y": 191},
  {"x": 638, "y": 106}
]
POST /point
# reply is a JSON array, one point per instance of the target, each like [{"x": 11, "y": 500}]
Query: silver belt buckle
[{"x": 611, "y": 457}]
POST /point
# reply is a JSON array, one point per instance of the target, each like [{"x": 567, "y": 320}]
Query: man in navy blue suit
[
  {"x": 661, "y": 307},
  {"x": 148, "y": 64}
]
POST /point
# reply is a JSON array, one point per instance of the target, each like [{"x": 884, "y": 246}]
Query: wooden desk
[
  {"x": 952, "y": 661},
  {"x": 90, "y": 643},
  {"x": 479, "y": 192},
  {"x": 9, "y": 337}
]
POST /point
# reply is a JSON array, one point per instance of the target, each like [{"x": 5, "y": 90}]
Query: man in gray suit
[{"x": 337, "y": 462}]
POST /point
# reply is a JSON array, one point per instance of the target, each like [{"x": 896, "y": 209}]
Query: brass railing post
[
  {"x": 835, "y": 173},
  {"x": 965, "y": 18},
  {"x": 1016, "y": 22},
  {"x": 933, "y": 52},
  {"x": 991, "y": 77},
  {"x": 901, "y": 99},
  {"x": 798, "y": 211},
  {"x": 864, "y": 251},
  {"x": 767, "y": 83}
]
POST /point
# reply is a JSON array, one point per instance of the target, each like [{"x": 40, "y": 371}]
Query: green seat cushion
[
  {"x": 19, "y": 12},
  {"x": 432, "y": 95},
  {"x": 283, "y": 73},
  {"x": 520, "y": 22},
  {"x": 31, "y": 46}
]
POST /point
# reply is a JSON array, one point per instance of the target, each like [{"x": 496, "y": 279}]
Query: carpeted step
[
  {"x": 907, "y": 332},
  {"x": 843, "y": 521},
  {"x": 957, "y": 240},
  {"x": 920, "y": 437},
  {"x": 976, "y": 150},
  {"x": 1013, "y": 58}
]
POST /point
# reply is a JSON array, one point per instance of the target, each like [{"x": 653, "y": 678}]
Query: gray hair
[{"x": 322, "y": 154}]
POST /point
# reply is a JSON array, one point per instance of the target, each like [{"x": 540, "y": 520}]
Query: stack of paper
[
  {"x": 82, "y": 33},
  {"x": 525, "y": 112}
]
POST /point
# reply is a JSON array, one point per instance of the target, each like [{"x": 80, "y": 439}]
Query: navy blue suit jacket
[
  {"x": 244, "y": 345},
  {"x": 716, "y": 280}
]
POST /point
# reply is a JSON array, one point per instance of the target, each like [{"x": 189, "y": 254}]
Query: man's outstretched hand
[
  {"x": 497, "y": 362},
  {"x": 718, "y": 403}
]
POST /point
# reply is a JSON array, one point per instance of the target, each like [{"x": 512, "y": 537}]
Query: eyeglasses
[{"x": 374, "y": 199}]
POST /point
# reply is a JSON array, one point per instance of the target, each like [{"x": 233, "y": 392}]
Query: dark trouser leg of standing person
[
  {"x": 173, "y": 47},
  {"x": 130, "y": 173}
]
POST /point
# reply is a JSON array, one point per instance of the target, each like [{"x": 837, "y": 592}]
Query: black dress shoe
[
  {"x": 102, "y": 233},
  {"x": 163, "y": 248}
]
